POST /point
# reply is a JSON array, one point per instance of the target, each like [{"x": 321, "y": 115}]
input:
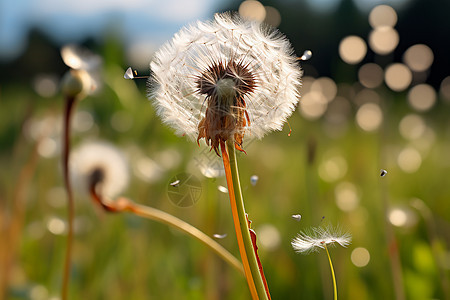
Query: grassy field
[{"x": 328, "y": 171}]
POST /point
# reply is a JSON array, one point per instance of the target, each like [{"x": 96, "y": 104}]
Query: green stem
[
  {"x": 333, "y": 276},
  {"x": 242, "y": 221}
]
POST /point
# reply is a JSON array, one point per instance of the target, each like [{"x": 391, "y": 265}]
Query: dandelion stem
[
  {"x": 168, "y": 219},
  {"x": 123, "y": 204},
  {"x": 333, "y": 276},
  {"x": 70, "y": 102},
  {"x": 248, "y": 255}
]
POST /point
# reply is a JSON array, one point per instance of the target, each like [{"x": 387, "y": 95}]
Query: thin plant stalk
[
  {"x": 389, "y": 234},
  {"x": 333, "y": 276},
  {"x": 393, "y": 250},
  {"x": 15, "y": 227},
  {"x": 126, "y": 205},
  {"x": 70, "y": 102},
  {"x": 252, "y": 272}
]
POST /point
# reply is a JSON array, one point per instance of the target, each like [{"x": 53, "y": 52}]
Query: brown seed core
[{"x": 225, "y": 85}]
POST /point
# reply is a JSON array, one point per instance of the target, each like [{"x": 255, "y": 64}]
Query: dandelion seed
[
  {"x": 297, "y": 217},
  {"x": 128, "y": 74},
  {"x": 175, "y": 183},
  {"x": 102, "y": 163},
  {"x": 219, "y": 236},
  {"x": 222, "y": 189},
  {"x": 306, "y": 55},
  {"x": 220, "y": 79},
  {"x": 320, "y": 237},
  {"x": 254, "y": 179}
]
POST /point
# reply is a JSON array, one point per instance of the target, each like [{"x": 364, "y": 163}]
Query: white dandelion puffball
[
  {"x": 102, "y": 161},
  {"x": 320, "y": 237},
  {"x": 226, "y": 56}
]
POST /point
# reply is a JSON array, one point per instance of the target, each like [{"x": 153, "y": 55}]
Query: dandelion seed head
[
  {"x": 318, "y": 237},
  {"x": 101, "y": 164},
  {"x": 221, "y": 78}
]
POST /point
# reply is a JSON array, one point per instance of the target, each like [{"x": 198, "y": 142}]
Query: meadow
[{"x": 328, "y": 170}]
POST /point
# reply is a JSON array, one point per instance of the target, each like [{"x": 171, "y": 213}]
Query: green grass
[{"x": 120, "y": 256}]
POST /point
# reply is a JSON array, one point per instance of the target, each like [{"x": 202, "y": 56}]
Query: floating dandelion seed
[
  {"x": 175, "y": 183},
  {"x": 222, "y": 189},
  {"x": 306, "y": 55},
  {"x": 254, "y": 179},
  {"x": 297, "y": 217},
  {"x": 220, "y": 79},
  {"x": 129, "y": 74},
  {"x": 219, "y": 236},
  {"x": 320, "y": 237}
]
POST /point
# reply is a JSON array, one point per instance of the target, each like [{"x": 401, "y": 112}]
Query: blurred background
[{"x": 375, "y": 96}]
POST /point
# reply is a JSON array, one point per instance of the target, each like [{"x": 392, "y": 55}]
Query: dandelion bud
[{"x": 76, "y": 83}]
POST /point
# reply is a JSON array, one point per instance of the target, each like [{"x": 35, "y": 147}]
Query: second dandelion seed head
[{"x": 320, "y": 237}]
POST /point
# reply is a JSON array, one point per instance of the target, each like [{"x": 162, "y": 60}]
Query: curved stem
[
  {"x": 70, "y": 101},
  {"x": 333, "y": 276},
  {"x": 168, "y": 219},
  {"x": 123, "y": 204},
  {"x": 246, "y": 249}
]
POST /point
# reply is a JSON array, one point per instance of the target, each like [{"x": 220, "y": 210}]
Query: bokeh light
[
  {"x": 46, "y": 85},
  {"x": 370, "y": 75},
  {"x": 337, "y": 115},
  {"x": 367, "y": 96},
  {"x": 360, "y": 257},
  {"x": 313, "y": 105},
  {"x": 369, "y": 117},
  {"x": 273, "y": 16},
  {"x": 38, "y": 292},
  {"x": 397, "y": 77},
  {"x": 48, "y": 147},
  {"x": 409, "y": 160},
  {"x": 56, "y": 225},
  {"x": 347, "y": 198},
  {"x": 418, "y": 57},
  {"x": 352, "y": 49},
  {"x": 252, "y": 10},
  {"x": 269, "y": 237},
  {"x": 333, "y": 168},
  {"x": 412, "y": 127},
  {"x": 445, "y": 88},
  {"x": 382, "y": 15},
  {"x": 383, "y": 40},
  {"x": 422, "y": 97},
  {"x": 326, "y": 86},
  {"x": 147, "y": 169},
  {"x": 402, "y": 217}
]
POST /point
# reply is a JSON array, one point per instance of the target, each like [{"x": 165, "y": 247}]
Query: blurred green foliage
[{"x": 120, "y": 256}]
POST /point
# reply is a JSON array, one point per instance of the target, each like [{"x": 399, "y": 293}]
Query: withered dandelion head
[
  {"x": 101, "y": 165},
  {"x": 220, "y": 79}
]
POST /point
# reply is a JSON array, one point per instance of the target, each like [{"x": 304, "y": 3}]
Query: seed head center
[{"x": 226, "y": 89}]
